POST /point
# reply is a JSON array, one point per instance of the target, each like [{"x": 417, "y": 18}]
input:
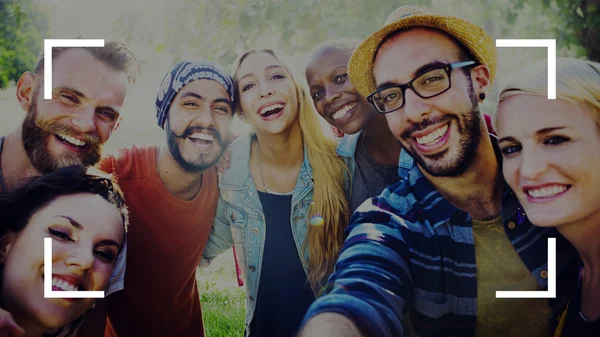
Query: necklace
[
  {"x": 262, "y": 177},
  {"x": 3, "y": 188}
]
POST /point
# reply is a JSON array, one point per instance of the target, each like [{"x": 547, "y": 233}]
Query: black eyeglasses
[{"x": 432, "y": 83}]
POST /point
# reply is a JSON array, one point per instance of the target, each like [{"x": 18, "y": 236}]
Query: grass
[{"x": 223, "y": 301}]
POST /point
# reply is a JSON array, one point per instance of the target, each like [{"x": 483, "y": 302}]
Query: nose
[
  {"x": 81, "y": 257},
  {"x": 533, "y": 164},
  {"x": 205, "y": 117},
  {"x": 84, "y": 120},
  {"x": 331, "y": 95},
  {"x": 265, "y": 90},
  {"x": 415, "y": 108}
]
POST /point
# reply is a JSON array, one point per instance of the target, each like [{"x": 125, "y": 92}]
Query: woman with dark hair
[
  {"x": 374, "y": 155},
  {"x": 84, "y": 213}
]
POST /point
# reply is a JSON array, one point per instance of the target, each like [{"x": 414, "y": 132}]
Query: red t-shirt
[{"x": 165, "y": 242}]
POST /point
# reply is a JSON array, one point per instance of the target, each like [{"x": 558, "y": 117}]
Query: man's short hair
[{"x": 114, "y": 54}]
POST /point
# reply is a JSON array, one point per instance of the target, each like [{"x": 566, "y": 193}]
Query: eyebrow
[
  {"x": 266, "y": 68},
  {"x": 224, "y": 100},
  {"x": 548, "y": 130},
  {"x": 338, "y": 68},
  {"x": 217, "y": 100},
  {"x": 420, "y": 71},
  {"x": 73, "y": 222},
  {"x": 507, "y": 139},
  {"x": 108, "y": 108},
  {"x": 78, "y": 226},
  {"x": 539, "y": 132}
]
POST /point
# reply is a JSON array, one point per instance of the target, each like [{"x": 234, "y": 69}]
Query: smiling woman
[
  {"x": 283, "y": 199},
  {"x": 551, "y": 160},
  {"x": 85, "y": 215}
]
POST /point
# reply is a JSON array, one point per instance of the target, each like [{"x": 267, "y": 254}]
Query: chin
[
  {"x": 350, "y": 129},
  {"x": 55, "y": 318},
  {"x": 545, "y": 218}
]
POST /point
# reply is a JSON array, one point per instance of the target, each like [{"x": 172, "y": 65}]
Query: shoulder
[
  {"x": 397, "y": 199},
  {"x": 241, "y": 145},
  {"x": 347, "y": 145},
  {"x": 128, "y": 162},
  {"x": 398, "y": 205},
  {"x": 237, "y": 171}
]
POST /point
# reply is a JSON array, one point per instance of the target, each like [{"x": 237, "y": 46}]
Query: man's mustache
[
  {"x": 91, "y": 140},
  {"x": 424, "y": 125},
  {"x": 189, "y": 131}
]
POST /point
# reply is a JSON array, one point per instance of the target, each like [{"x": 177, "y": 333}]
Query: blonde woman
[
  {"x": 283, "y": 199},
  {"x": 551, "y": 151}
]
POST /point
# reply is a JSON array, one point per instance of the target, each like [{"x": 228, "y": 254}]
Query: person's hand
[
  {"x": 223, "y": 163},
  {"x": 8, "y": 327},
  {"x": 225, "y": 160}
]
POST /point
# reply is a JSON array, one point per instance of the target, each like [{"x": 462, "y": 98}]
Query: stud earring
[{"x": 482, "y": 96}]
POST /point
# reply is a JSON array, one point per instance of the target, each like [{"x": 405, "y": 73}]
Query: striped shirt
[{"x": 409, "y": 251}]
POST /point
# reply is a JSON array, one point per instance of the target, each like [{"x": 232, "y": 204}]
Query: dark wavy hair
[{"x": 18, "y": 206}]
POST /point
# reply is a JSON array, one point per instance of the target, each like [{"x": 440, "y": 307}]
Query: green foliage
[
  {"x": 223, "y": 308},
  {"x": 21, "y": 24},
  {"x": 581, "y": 26},
  {"x": 576, "y": 24},
  {"x": 222, "y": 30}
]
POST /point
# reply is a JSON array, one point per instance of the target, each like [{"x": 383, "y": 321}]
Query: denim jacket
[
  {"x": 347, "y": 149},
  {"x": 240, "y": 220}
]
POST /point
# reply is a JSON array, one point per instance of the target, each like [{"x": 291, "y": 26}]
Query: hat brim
[{"x": 473, "y": 37}]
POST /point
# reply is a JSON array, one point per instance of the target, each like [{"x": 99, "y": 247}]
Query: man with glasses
[{"x": 427, "y": 256}]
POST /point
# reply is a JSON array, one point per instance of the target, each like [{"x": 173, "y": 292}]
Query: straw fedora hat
[{"x": 473, "y": 37}]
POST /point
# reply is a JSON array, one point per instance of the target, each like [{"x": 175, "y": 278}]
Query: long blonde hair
[
  {"x": 577, "y": 82},
  {"x": 329, "y": 198}
]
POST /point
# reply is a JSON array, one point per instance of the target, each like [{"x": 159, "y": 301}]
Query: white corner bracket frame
[
  {"x": 551, "y": 292},
  {"x": 51, "y": 43},
  {"x": 550, "y": 44},
  {"x": 48, "y": 292}
]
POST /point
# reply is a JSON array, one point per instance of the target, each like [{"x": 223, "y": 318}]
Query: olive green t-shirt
[{"x": 499, "y": 267}]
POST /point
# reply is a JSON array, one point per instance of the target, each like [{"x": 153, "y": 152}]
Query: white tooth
[
  {"x": 202, "y": 136},
  {"x": 271, "y": 107},
  {"x": 343, "y": 110},
  {"x": 72, "y": 288},
  {"x": 72, "y": 140},
  {"x": 434, "y": 136},
  {"x": 59, "y": 283},
  {"x": 547, "y": 192},
  {"x": 54, "y": 281}
]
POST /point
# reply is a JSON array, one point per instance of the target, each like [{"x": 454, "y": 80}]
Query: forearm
[{"x": 330, "y": 325}]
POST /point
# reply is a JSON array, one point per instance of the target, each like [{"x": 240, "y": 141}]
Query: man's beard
[
  {"x": 469, "y": 132},
  {"x": 36, "y": 135},
  {"x": 204, "y": 161}
]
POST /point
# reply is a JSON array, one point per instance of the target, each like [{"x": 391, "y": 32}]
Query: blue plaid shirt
[{"x": 410, "y": 251}]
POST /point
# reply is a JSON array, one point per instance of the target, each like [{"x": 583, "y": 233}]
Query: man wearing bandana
[{"x": 172, "y": 196}]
